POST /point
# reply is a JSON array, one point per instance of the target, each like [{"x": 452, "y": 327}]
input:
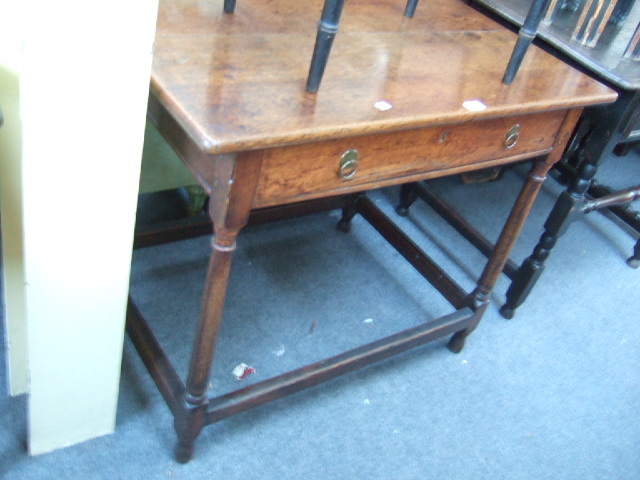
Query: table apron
[{"x": 301, "y": 172}]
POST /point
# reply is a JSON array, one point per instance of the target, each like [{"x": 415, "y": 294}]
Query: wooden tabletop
[{"x": 236, "y": 82}]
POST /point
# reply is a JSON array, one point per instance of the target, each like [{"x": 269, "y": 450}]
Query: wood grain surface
[{"x": 236, "y": 82}]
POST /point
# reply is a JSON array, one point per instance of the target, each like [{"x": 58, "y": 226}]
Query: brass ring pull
[
  {"x": 348, "y": 164},
  {"x": 512, "y": 137}
]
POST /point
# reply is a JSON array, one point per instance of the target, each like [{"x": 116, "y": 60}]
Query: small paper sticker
[
  {"x": 474, "y": 105},
  {"x": 242, "y": 371},
  {"x": 383, "y": 106}
]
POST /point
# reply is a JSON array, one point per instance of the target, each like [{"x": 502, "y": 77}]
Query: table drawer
[{"x": 313, "y": 170}]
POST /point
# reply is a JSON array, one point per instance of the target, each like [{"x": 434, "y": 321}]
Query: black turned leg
[
  {"x": 229, "y": 6},
  {"x": 567, "y": 208},
  {"x": 525, "y": 36},
  {"x": 622, "y": 149},
  {"x": 410, "y": 9},
  {"x": 327, "y": 29},
  {"x": 408, "y": 195},
  {"x": 634, "y": 260},
  {"x": 621, "y": 11}
]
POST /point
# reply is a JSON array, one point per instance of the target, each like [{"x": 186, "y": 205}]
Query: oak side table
[{"x": 402, "y": 100}]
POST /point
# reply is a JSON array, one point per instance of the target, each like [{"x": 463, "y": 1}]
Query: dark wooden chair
[
  {"x": 591, "y": 35},
  {"x": 582, "y": 34}
]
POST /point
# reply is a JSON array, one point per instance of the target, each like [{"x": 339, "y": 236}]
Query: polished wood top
[{"x": 237, "y": 82}]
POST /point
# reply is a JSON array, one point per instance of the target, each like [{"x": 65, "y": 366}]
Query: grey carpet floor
[{"x": 551, "y": 394}]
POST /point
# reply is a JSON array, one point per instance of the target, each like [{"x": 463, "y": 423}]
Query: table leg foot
[
  {"x": 478, "y": 301},
  {"x": 344, "y": 226},
  {"x": 403, "y": 212},
  {"x": 456, "y": 344},
  {"x": 408, "y": 195},
  {"x": 183, "y": 452},
  {"x": 348, "y": 212},
  {"x": 188, "y": 423}
]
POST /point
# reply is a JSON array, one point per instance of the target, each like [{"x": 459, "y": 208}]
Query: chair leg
[
  {"x": 410, "y": 9},
  {"x": 622, "y": 149},
  {"x": 327, "y": 30},
  {"x": 229, "y": 6},
  {"x": 525, "y": 37},
  {"x": 567, "y": 208}
]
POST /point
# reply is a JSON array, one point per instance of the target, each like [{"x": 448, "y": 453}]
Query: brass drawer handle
[
  {"x": 512, "y": 137},
  {"x": 348, "y": 164}
]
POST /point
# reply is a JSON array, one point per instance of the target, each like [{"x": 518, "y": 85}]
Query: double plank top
[{"x": 236, "y": 82}]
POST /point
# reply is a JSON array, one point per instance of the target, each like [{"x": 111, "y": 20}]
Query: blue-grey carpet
[{"x": 552, "y": 394}]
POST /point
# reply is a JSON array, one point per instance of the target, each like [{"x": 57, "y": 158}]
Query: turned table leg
[
  {"x": 191, "y": 418},
  {"x": 479, "y": 298},
  {"x": 231, "y": 197}
]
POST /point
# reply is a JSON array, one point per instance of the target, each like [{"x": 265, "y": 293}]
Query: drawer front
[{"x": 325, "y": 168}]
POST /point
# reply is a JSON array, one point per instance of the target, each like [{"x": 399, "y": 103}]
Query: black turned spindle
[
  {"x": 229, "y": 6},
  {"x": 621, "y": 11},
  {"x": 525, "y": 36},
  {"x": 410, "y": 9},
  {"x": 327, "y": 29},
  {"x": 568, "y": 207}
]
